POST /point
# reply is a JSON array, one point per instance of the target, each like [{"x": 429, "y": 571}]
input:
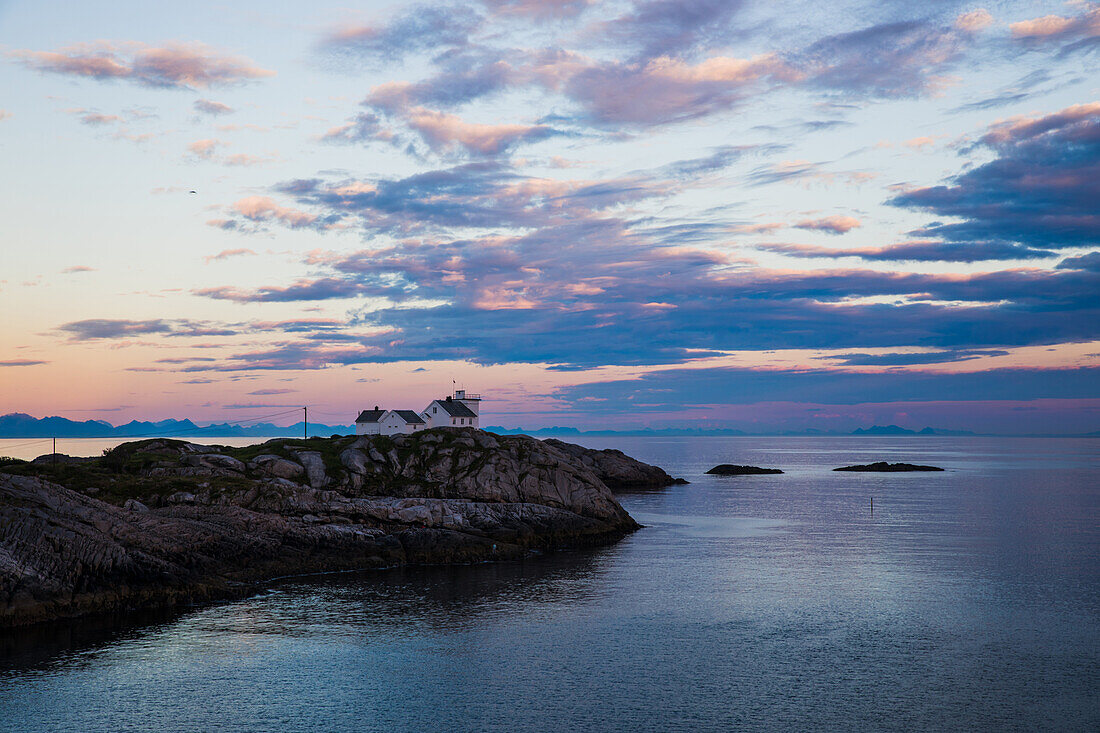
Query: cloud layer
[{"x": 171, "y": 65}]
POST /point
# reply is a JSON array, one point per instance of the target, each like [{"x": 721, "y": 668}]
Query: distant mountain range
[
  {"x": 20, "y": 425},
  {"x": 873, "y": 430},
  {"x": 895, "y": 430}
]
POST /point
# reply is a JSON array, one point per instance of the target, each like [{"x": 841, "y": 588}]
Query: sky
[{"x": 647, "y": 213}]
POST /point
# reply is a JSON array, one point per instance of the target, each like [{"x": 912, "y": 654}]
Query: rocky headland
[
  {"x": 884, "y": 467},
  {"x": 160, "y": 522},
  {"x": 728, "y": 469}
]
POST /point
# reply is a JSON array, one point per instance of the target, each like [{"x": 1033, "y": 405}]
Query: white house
[
  {"x": 460, "y": 411},
  {"x": 369, "y": 422},
  {"x": 401, "y": 421}
]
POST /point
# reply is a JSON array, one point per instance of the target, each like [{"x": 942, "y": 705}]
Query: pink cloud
[
  {"x": 491, "y": 299},
  {"x": 756, "y": 228},
  {"x": 245, "y": 159},
  {"x": 208, "y": 148},
  {"x": 661, "y": 90},
  {"x": 225, "y": 254},
  {"x": 1051, "y": 26},
  {"x": 204, "y": 148},
  {"x": 78, "y": 268},
  {"x": 174, "y": 64},
  {"x": 442, "y": 131},
  {"x": 830, "y": 224},
  {"x": 974, "y": 21},
  {"x": 95, "y": 118},
  {"x": 917, "y": 143},
  {"x": 1020, "y": 128},
  {"x": 210, "y": 107},
  {"x": 263, "y": 208},
  {"x": 538, "y": 8}
]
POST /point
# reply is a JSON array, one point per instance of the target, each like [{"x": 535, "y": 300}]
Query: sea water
[{"x": 967, "y": 600}]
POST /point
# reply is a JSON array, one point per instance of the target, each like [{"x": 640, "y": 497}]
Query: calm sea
[
  {"x": 969, "y": 600},
  {"x": 28, "y": 448}
]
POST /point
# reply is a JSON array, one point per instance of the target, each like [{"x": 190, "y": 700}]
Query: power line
[
  {"x": 30, "y": 442},
  {"x": 326, "y": 412},
  {"x": 166, "y": 433},
  {"x": 161, "y": 433}
]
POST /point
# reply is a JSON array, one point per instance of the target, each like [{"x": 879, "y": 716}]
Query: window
[{"x": 435, "y": 410}]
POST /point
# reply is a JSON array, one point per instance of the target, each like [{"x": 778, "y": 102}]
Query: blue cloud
[
  {"x": 1040, "y": 191},
  {"x": 678, "y": 389},
  {"x": 418, "y": 28}
]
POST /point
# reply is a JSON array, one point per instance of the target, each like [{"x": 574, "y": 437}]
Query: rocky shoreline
[{"x": 159, "y": 523}]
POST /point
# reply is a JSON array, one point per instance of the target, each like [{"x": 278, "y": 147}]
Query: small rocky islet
[
  {"x": 729, "y": 469},
  {"x": 884, "y": 467},
  {"x": 158, "y": 523}
]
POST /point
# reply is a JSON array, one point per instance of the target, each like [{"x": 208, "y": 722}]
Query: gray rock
[
  {"x": 414, "y": 514},
  {"x": 213, "y": 461},
  {"x": 315, "y": 468},
  {"x": 222, "y": 461},
  {"x": 135, "y": 506},
  {"x": 277, "y": 467},
  {"x": 356, "y": 461}
]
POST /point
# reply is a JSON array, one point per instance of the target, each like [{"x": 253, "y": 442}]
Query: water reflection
[
  {"x": 394, "y": 603},
  {"x": 64, "y": 643}
]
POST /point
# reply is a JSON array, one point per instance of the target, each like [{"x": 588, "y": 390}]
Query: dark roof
[
  {"x": 410, "y": 416},
  {"x": 455, "y": 408},
  {"x": 370, "y": 415}
]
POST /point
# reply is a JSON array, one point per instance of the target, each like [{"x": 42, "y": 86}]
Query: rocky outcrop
[
  {"x": 884, "y": 467},
  {"x": 616, "y": 469},
  {"x": 728, "y": 469},
  {"x": 172, "y": 522}
]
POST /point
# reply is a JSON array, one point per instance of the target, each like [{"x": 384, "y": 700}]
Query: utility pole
[
  {"x": 305, "y": 423},
  {"x": 54, "y": 454}
]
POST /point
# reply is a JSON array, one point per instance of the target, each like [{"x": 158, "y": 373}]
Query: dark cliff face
[{"x": 160, "y": 522}]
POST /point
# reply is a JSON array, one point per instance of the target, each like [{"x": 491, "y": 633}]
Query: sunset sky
[{"x": 754, "y": 215}]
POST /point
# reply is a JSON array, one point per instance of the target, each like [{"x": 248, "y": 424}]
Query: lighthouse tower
[{"x": 473, "y": 401}]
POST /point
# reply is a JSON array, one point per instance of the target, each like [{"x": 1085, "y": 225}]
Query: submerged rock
[
  {"x": 728, "y": 469},
  {"x": 177, "y": 523},
  {"x": 884, "y": 467}
]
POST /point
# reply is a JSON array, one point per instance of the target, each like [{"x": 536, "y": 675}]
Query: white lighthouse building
[{"x": 460, "y": 410}]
